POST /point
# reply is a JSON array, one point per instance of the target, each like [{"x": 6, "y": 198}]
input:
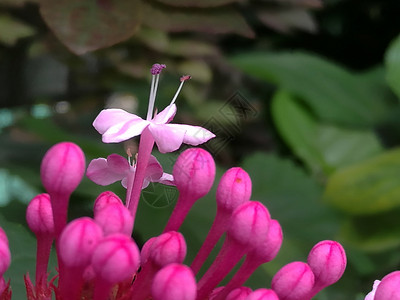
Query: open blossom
[
  {"x": 117, "y": 125},
  {"x": 371, "y": 294},
  {"x": 105, "y": 171}
]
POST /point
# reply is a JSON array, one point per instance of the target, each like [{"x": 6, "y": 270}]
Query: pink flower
[
  {"x": 371, "y": 294},
  {"x": 115, "y": 168},
  {"x": 117, "y": 125}
]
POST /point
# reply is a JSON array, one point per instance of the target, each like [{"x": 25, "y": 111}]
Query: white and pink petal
[
  {"x": 99, "y": 172},
  {"x": 168, "y": 137}
]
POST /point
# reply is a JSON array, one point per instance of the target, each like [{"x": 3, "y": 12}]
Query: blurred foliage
[{"x": 303, "y": 96}]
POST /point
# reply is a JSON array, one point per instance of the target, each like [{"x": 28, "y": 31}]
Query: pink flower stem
[
  {"x": 43, "y": 249},
  {"x": 182, "y": 208},
  {"x": 59, "y": 205},
  {"x": 145, "y": 147},
  {"x": 227, "y": 258},
  {"x": 70, "y": 284},
  {"x": 246, "y": 269},
  {"x": 219, "y": 226},
  {"x": 141, "y": 288},
  {"x": 102, "y": 289}
]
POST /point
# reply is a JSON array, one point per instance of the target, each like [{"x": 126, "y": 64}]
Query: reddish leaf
[
  {"x": 214, "y": 21},
  {"x": 90, "y": 25},
  {"x": 197, "y": 3}
]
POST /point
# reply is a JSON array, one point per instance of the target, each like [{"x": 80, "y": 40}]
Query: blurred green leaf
[
  {"x": 333, "y": 93},
  {"x": 375, "y": 233},
  {"x": 368, "y": 187},
  {"x": 90, "y": 25},
  {"x": 11, "y": 30},
  {"x": 322, "y": 147},
  {"x": 392, "y": 63},
  {"x": 195, "y": 3},
  {"x": 23, "y": 256},
  {"x": 214, "y": 21},
  {"x": 14, "y": 187}
]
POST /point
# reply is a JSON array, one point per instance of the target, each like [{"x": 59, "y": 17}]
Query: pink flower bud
[
  {"x": 262, "y": 294},
  {"x": 169, "y": 247},
  {"x": 233, "y": 189},
  {"x": 78, "y": 241},
  {"x": 240, "y": 293},
  {"x": 293, "y": 281},
  {"x": 269, "y": 248},
  {"x": 194, "y": 172},
  {"x": 39, "y": 215},
  {"x": 62, "y": 168},
  {"x": 145, "y": 252},
  {"x": 174, "y": 282},
  {"x": 5, "y": 257},
  {"x": 116, "y": 258},
  {"x": 114, "y": 218},
  {"x": 389, "y": 287},
  {"x": 249, "y": 224},
  {"x": 105, "y": 199},
  {"x": 327, "y": 260},
  {"x": 3, "y": 236}
]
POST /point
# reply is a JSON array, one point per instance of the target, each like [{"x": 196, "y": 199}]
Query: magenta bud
[
  {"x": 263, "y": 294},
  {"x": 39, "y": 215},
  {"x": 5, "y": 256},
  {"x": 116, "y": 258},
  {"x": 293, "y": 281},
  {"x": 194, "y": 172},
  {"x": 145, "y": 251},
  {"x": 240, "y": 293},
  {"x": 271, "y": 245},
  {"x": 114, "y": 218},
  {"x": 388, "y": 288},
  {"x": 174, "y": 282},
  {"x": 327, "y": 260},
  {"x": 78, "y": 241},
  {"x": 104, "y": 199},
  {"x": 62, "y": 168},
  {"x": 249, "y": 224},
  {"x": 233, "y": 189},
  {"x": 167, "y": 248},
  {"x": 3, "y": 236}
]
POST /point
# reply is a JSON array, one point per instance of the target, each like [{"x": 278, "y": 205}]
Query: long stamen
[
  {"x": 155, "y": 71},
  {"x": 183, "y": 79}
]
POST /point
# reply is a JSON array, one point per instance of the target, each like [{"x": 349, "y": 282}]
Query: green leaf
[
  {"x": 90, "y": 25},
  {"x": 213, "y": 21},
  {"x": 195, "y": 3},
  {"x": 392, "y": 63},
  {"x": 375, "y": 233},
  {"x": 368, "y": 187},
  {"x": 322, "y": 147},
  {"x": 11, "y": 30},
  {"x": 14, "y": 187},
  {"x": 333, "y": 93},
  {"x": 23, "y": 256}
]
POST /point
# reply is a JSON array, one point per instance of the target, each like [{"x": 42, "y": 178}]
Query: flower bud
[
  {"x": 327, "y": 260},
  {"x": 249, "y": 224},
  {"x": 39, "y": 215},
  {"x": 262, "y": 294},
  {"x": 145, "y": 251},
  {"x": 240, "y": 293},
  {"x": 3, "y": 236},
  {"x": 269, "y": 248},
  {"x": 169, "y": 247},
  {"x": 78, "y": 241},
  {"x": 389, "y": 287},
  {"x": 116, "y": 258},
  {"x": 293, "y": 281},
  {"x": 5, "y": 256},
  {"x": 174, "y": 282},
  {"x": 114, "y": 218},
  {"x": 104, "y": 199},
  {"x": 233, "y": 189},
  {"x": 62, "y": 168},
  {"x": 194, "y": 172}
]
